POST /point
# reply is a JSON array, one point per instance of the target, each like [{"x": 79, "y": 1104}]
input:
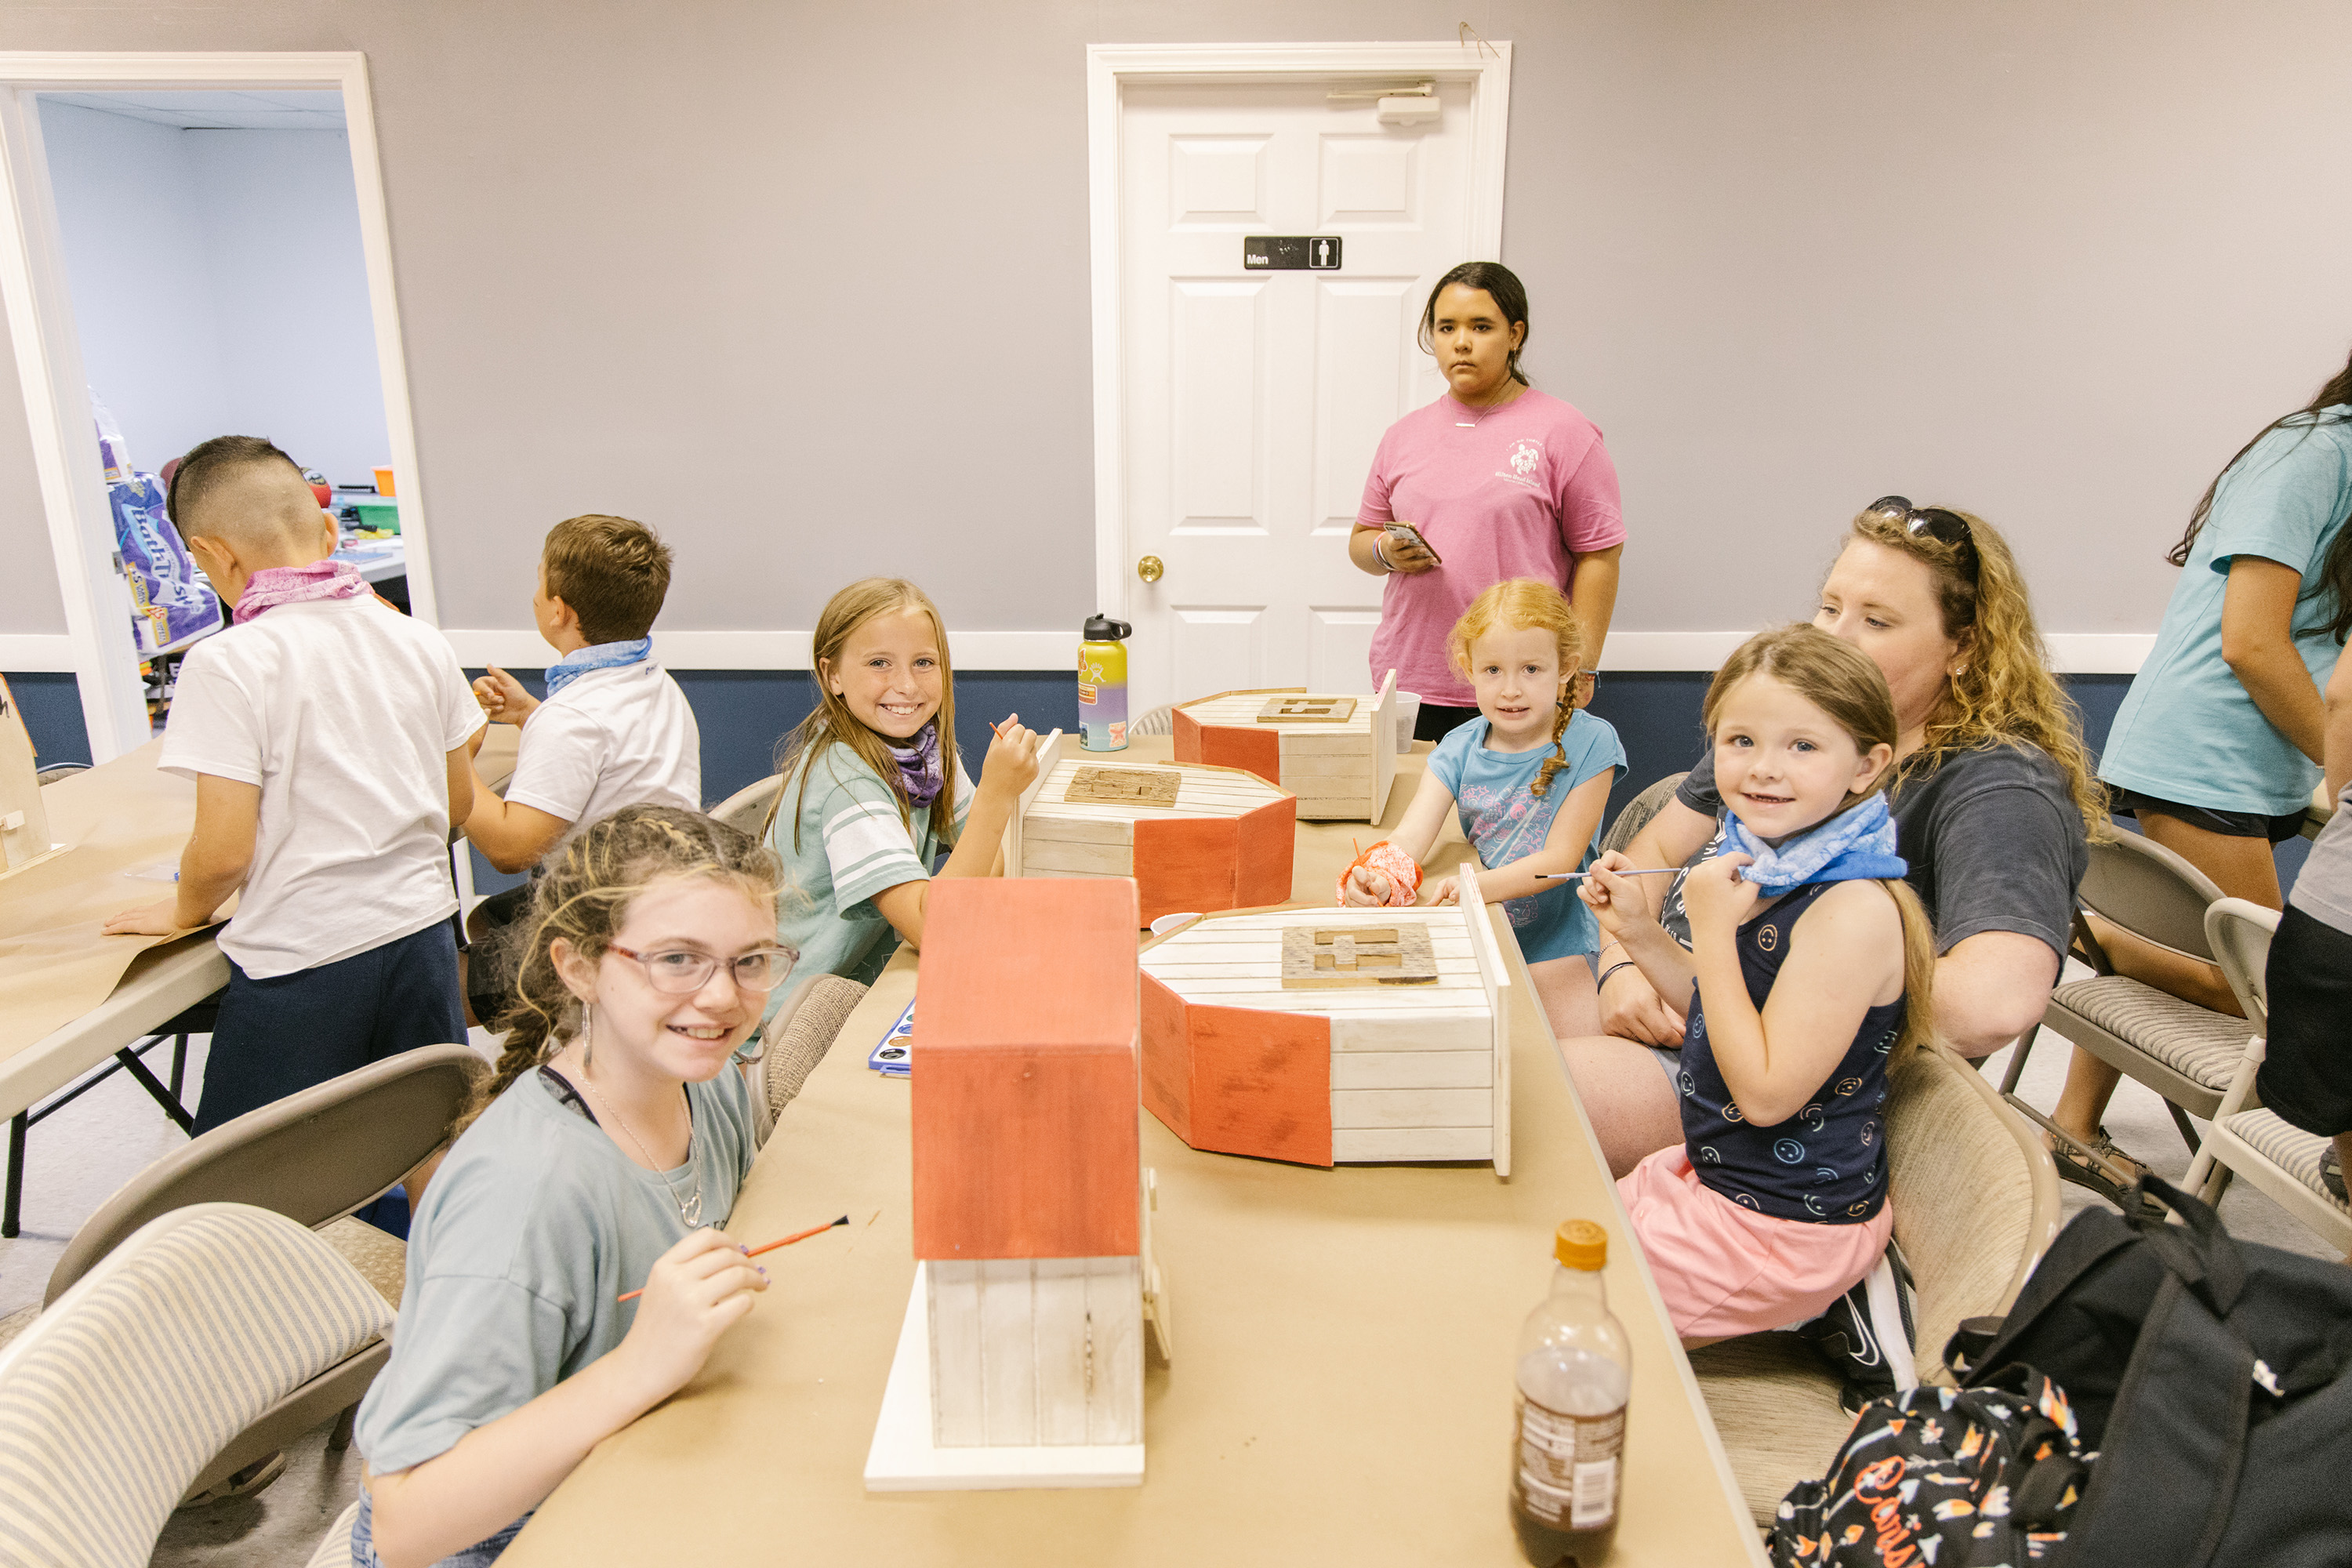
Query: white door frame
[
  {"x": 1111, "y": 68},
  {"x": 48, "y": 346}
]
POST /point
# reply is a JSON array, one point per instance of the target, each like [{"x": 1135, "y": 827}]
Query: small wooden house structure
[
  {"x": 1336, "y": 754},
  {"x": 1192, "y": 838},
  {"x": 1333, "y": 1036},
  {"x": 1021, "y": 1360}
]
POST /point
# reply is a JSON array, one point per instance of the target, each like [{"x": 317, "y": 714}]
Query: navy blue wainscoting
[{"x": 51, "y": 704}]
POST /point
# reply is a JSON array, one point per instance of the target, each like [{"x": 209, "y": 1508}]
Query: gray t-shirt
[
  {"x": 1992, "y": 836},
  {"x": 530, "y": 1230},
  {"x": 2323, "y": 888}
]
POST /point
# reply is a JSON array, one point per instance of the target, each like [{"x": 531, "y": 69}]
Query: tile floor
[{"x": 79, "y": 1157}]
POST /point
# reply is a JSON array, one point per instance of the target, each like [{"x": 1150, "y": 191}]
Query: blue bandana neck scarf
[
  {"x": 1854, "y": 845},
  {"x": 919, "y": 772},
  {"x": 603, "y": 656}
]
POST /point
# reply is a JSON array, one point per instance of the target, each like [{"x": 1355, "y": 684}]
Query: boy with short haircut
[
  {"x": 614, "y": 728},
  {"x": 327, "y": 736}
]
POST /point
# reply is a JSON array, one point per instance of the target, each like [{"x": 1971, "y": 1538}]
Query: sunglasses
[{"x": 1945, "y": 527}]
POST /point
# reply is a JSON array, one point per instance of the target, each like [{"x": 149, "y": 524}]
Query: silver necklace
[
  {"x": 1483, "y": 410},
  {"x": 690, "y": 1211}
]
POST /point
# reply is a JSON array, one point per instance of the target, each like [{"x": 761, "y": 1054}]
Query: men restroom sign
[{"x": 1291, "y": 252}]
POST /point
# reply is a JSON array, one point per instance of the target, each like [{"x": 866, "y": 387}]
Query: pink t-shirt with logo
[{"x": 1513, "y": 491}]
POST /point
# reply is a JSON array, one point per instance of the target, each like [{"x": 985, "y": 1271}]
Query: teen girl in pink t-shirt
[{"x": 1502, "y": 481}]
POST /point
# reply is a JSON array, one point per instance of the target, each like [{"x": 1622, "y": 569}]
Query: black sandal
[{"x": 2106, "y": 1170}]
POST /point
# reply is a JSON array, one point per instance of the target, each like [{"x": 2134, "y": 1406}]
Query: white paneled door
[{"x": 1253, "y": 400}]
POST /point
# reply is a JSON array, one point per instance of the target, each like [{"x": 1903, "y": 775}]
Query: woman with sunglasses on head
[
  {"x": 1493, "y": 481},
  {"x": 2219, "y": 742},
  {"x": 1993, "y": 800},
  {"x": 598, "y": 1159}
]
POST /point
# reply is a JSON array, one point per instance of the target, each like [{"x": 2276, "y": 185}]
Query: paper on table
[{"x": 55, "y": 961}]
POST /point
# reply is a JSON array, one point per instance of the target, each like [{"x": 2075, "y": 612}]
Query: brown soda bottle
[{"x": 1574, "y": 1371}]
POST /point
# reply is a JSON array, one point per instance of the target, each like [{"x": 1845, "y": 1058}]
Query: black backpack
[
  {"x": 1944, "y": 1476},
  {"x": 2213, "y": 1377}
]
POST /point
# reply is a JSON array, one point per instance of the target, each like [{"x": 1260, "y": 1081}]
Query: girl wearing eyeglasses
[{"x": 600, "y": 1157}]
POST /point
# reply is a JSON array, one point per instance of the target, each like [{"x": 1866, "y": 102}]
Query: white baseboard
[
  {"x": 2071, "y": 653},
  {"x": 777, "y": 651},
  {"x": 35, "y": 653}
]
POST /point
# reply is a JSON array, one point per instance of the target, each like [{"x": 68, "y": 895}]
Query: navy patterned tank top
[{"x": 1828, "y": 1163}]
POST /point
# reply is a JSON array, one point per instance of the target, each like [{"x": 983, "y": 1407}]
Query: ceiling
[{"x": 255, "y": 111}]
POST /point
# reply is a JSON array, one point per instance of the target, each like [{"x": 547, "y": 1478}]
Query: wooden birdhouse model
[
  {"x": 1193, "y": 839},
  {"x": 1336, "y": 754},
  {"x": 1333, "y": 1036},
  {"x": 1022, "y": 1361}
]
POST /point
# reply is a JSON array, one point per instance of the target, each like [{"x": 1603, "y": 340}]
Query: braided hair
[
  {"x": 584, "y": 898},
  {"x": 1519, "y": 604}
]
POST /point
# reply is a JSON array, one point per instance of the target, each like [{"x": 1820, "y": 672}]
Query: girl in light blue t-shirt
[
  {"x": 1530, "y": 779},
  {"x": 595, "y": 1165}
]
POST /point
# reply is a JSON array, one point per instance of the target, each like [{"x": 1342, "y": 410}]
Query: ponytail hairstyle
[
  {"x": 1520, "y": 604},
  {"x": 832, "y": 724},
  {"x": 1841, "y": 680},
  {"x": 2335, "y": 573},
  {"x": 584, "y": 898},
  {"x": 2003, "y": 693},
  {"x": 1501, "y": 285}
]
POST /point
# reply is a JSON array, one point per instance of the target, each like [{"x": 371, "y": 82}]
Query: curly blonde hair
[
  {"x": 2005, "y": 693},
  {"x": 1523, "y": 604},
  {"x": 584, "y": 898}
]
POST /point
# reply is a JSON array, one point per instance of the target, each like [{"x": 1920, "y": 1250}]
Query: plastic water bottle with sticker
[{"x": 1574, "y": 1372}]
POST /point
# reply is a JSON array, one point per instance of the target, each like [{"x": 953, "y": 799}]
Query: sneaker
[{"x": 1848, "y": 1340}]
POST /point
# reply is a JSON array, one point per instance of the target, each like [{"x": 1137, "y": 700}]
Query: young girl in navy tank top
[{"x": 1813, "y": 961}]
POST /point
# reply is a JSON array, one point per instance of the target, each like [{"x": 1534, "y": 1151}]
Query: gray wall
[
  {"x": 218, "y": 285},
  {"x": 806, "y": 284}
]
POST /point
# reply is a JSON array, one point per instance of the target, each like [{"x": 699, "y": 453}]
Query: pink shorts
[{"x": 1724, "y": 1269}]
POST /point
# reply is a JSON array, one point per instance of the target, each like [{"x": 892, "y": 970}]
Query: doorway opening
[{"x": 196, "y": 246}]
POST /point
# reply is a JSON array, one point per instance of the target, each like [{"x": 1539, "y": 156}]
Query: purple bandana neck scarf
[
  {"x": 274, "y": 586},
  {"x": 919, "y": 772}
]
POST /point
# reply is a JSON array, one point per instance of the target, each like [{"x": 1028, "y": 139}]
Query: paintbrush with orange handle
[{"x": 771, "y": 1246}]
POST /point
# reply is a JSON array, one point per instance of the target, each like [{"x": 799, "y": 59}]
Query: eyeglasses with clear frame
[
  {"x": 1938, "y": 523},
  {"x": 682, "y": 972}
]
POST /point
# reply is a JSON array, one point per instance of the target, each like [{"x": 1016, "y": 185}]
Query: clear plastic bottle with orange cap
[{"x": 1574, "y": 1372}]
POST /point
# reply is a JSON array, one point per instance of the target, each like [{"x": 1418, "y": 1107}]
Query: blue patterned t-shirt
[{"x": 1505, "y": 820}]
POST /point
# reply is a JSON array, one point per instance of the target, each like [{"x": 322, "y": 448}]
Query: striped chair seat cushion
[
  {"x": 2195, "y": 1042},
  {"x": 335, "y": 1546},
  {"x": 2290, "y": 1149},
  {"x": 129, "y": 1384}
]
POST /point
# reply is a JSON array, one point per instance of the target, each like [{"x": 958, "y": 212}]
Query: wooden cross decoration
[
  {"x": 1358, "y": 955},
  {"x": 1124, "y": 786},
  {"x": 1308, "y": 711}
]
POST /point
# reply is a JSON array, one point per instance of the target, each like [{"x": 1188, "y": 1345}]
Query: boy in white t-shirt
[
  {"x": 615, "y": 730},
  {"x": 327, "y": 736}
]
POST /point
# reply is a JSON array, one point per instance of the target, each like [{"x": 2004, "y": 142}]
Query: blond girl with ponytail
[
  {"x": 1811, "y": 962},
  {"x": 872, "y": 789},
  {"x": 598, "y": 1162},
  {"x": 1530, "y": 779}
]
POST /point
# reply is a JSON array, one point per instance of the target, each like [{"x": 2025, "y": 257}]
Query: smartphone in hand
[{"x": 1405, "y": 533}]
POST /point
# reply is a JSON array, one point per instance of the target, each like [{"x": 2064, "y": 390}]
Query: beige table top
[
  {"x": 1341, "y": 1389},
  {"x": 55, "y": 961}
]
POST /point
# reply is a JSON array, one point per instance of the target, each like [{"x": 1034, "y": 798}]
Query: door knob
[{"x": 1150, "y": 569}]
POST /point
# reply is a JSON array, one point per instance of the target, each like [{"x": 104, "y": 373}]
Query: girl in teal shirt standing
[{"x": 2217, "y": 745}]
